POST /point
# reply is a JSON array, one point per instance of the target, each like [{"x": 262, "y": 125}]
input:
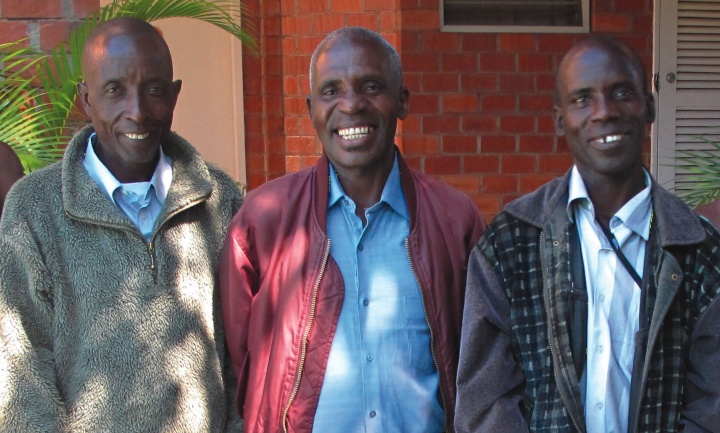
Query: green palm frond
[
  {"x": 38, "y": 91},
  {"x": 701, "y": 174}
]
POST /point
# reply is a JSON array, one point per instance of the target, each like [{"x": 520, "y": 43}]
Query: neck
[{"x": 609, "y": 194}]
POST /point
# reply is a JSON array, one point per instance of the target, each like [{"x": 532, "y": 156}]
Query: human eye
[
  {"x": 581, "y": 101},
  {"x": 113, "y": 89},
  {"x": 156, "y": 89},
  {"x": 372, "y": 87},
  {"x": 623, "y": 94},
  {"x": 329, "y": 91}
]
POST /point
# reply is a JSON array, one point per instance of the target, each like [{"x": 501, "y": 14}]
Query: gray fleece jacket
[{"x": 101, "y": 331}]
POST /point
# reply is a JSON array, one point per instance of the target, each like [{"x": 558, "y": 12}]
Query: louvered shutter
[{"x": 688, "y": 51}]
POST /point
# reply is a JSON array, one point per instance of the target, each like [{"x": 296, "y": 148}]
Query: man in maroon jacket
[{"x": 342, "y": 284}]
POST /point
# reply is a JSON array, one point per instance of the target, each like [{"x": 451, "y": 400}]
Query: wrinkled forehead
[
  {"x": 596, "y": 61},
  {"x": 112, "y": 48}
]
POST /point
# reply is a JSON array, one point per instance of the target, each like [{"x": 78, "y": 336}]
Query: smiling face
[
  {"x": 355, "y": 103},
  {"x": 602, "y": 109},
  {"x": 130, "y": 96}
]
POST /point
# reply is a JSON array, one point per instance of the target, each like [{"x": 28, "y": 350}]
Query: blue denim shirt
[{"x": 380, "y": 375}]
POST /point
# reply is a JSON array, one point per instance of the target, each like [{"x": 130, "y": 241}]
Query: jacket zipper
[
  {"x": 543, "y": 262},
  {"x": 306, "y": 335},
  {"x": 432, "y": 339}
]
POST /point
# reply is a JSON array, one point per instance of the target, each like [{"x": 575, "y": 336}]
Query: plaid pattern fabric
[{"x": 539, "y": 320}]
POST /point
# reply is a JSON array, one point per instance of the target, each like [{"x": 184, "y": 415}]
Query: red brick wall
[
  {"x": 481, "y": 104},
  {"x": 44, "y": 22}
]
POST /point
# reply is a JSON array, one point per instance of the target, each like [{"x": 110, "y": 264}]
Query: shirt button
[
  {"x": 601, "y": 298},
  {"x": 599, "y": 406},
  {"x": 360, "y": 248},
  {"x": 372, "y": 414},
  {"x": 345, "y": 202},
  {"x": 369, "y": 358},
  {"x": 599, "y": 349},
  {"x": 366, "y": 302}
]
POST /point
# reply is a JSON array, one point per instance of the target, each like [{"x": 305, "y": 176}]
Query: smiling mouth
[
  {"x": 354, "y": 133},
  {"x": 608, "y": 139},
  {"x": 133, "y": 136}
]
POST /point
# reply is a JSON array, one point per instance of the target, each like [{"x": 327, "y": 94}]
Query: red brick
[
  {"x": 307, "y": 44},
  {"x": 542, "y": 103},
  {"x": 555, "y": 42},
  {"x": 545, "y": 82},
  {"x": 499, "y": 184},
  {"x": 295, "y": 65},
  {"x": 602, "y": 5},
  {"x": 631, "y": 7},
  {"x": 300, "y": 145},
  {"x": 498, "y": 103},
  {"x": 81, "y": 8},
  {"x": 274, "y": 65},
  {"x": 546, "y": 124},
  {"x": 497, "y": 144},
  {"x": 517, "y": 42},
  {"x": 479, "y": 42},
  {"x": 343, "y": 6},
  {"x": 32, "y": 9},
  {"x": 415, "y": 19},
  {"x": 488, "y": 205},
  {"x": 459, "y": 103},
  {"x": 413, "y": 82},
  {"x": 311, "y": 7},
  {"x": 440, "y": 42},
  {"x": 306, "y": 125},
  {"x": 421, "y": 144},
  {"x": 481, "y": 164},
  {"x": 460, "y": 144},
  {"x": 641, "y": 43},
  {"x": 429, "y": 4},
  {"x": 497, "y": 62},
  {"x": 11, "y": 31},
  {"x": 275, "y": 124},
  {"x": 276, "y": 145},
  {"x": 254, "y": 103},
  {"x": 291, "y": 87},
  {"x": 536, "y": 143},
  {"x": 611, "y": 23},
  {"x": 469, "y": 184},
  {"x": 440, "y": 83},
  {"x": 388, "y": 21},
  {"x": 554, "y": 163},
  {"x": 324, "y": 24},
  {"x": 272, "y": 7},
  {"x": 477, "y": 123},
  {"x": 459, "y": 63},
  {"x": 409, "y": 42},
  {"x": 294, "y": 106},
  {"x": 436, "y": 165},
  {"x": 424, "y": 104},
  {"x": 440, "y": 124},
  {"x": 422, "y": 62},
  {"x": 516, "y": 83},
  {"x": 529, "y": 184},
  {"x": 475, "y": 82},
  {"x": 292, "y": 163},
  {"x": 643, "y": 24},
  {"x": 369, "y": 21},
  {"x": 378, "y": 5},
  {"x": 274, "y": 86},
  {"x": 535, "y": 63},
  {"x": 517, "y": 123},
  {"x": 518, "y": 164},
  {"x": 272, "y": 25},
  {"x": 292, "y": 125},
  {"x": 412, "y": 124}
]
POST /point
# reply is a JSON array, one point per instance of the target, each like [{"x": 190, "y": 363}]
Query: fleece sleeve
[
  {"x": 490, "y": 381},
  {"x": 29, "y": 398}
]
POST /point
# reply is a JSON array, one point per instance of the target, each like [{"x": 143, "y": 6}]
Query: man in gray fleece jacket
[{"x": 109, "y": 315}]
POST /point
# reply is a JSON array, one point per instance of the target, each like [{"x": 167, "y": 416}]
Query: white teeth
[
  {"x": 610, "y": 139},
  {"x": 137, "y": 136},
  {"x": 354, "y": 133}
]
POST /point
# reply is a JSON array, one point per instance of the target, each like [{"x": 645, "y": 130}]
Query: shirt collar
[
  {"x": 392, "y": 193},
  {"x": 636, "y": 213},
  {"x": 161, "y": 178}
]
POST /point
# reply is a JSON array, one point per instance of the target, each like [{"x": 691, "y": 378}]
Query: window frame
[{"x": 478, "y": 28}]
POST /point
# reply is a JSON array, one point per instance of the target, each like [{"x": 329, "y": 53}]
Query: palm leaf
[
  {"x": 701, "y": 174},
  {"x": 33, "y": 119}
]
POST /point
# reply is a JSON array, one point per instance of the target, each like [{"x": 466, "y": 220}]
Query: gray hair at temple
[{"x": 361, "y": 34}]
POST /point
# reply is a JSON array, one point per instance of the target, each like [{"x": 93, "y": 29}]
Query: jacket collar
[
  {"x": 84, "y": 199},
  {"x": 322, "y": 189},
  {"x": 671, "y": 214}
]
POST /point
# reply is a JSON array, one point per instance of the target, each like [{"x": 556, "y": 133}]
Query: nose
[
  {"x": 352, "y": 101},
  {"x": 604, "y": 109},
  {"x": 135, "y": 108}
]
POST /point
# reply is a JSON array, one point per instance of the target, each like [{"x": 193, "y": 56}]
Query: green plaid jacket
[{"x": 517, "y": 303}]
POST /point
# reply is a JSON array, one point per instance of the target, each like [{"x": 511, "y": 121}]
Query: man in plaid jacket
[{"x": 591, "y": 304}]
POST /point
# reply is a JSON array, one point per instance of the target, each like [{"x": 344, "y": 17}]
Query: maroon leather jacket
[{"x": 281, "y": 292}]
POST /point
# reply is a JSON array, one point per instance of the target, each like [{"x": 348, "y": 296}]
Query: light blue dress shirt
[
  {"x": 380, "y": 375},
  {"x": 140, "y": 201},
  {"x": 613, "y": 303}
]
